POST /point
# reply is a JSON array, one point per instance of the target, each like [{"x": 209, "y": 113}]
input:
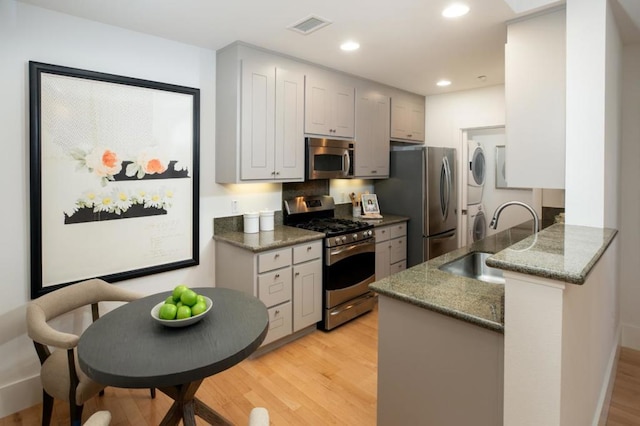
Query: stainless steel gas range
[{"x": 348, "y": 260}]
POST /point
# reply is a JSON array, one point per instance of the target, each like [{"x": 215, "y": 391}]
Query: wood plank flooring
[
  {"x": 624, "y": 409},
  {"x": 320, "y": 379}
]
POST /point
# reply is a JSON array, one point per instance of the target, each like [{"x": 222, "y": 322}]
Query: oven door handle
[{"x": 351, "y": 250}]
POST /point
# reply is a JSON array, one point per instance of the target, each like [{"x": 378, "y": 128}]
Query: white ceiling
[{"x": 404, "y": 43}]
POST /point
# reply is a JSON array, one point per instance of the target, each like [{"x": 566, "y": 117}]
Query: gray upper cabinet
[
  {"x": 372, "y": 135},
  {"x": 259, "y": 117},
  {"x": 407, "y": 118},
  {"x": 535, "y": 101},
  {"x": 329, "y": 106},
  {"x": 266, "y": 103}
]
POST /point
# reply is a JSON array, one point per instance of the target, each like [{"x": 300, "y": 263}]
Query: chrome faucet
[{"x": 496, "y": 215}]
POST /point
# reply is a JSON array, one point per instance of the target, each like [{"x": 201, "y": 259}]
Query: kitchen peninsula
[{"x": 505, "y": 354}]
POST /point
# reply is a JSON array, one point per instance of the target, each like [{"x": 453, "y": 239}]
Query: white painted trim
[
  {"x": 602, "y": 410},
  {"x": 631, "y": 336},
  {"x": 532, "y": 279},
  {"x": 19, "y": 395}
]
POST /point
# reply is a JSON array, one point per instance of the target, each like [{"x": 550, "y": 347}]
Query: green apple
[
  {"x": 189, "y": 297},
  {"x": 170, "y": 300},
  {"x": 183, "y": 312},
  {"x": 178, "y": 290},
  {"x": 200, "y": 298},
  {"x": 168, "y": 311},
  {"x": 198, "y": 308}
]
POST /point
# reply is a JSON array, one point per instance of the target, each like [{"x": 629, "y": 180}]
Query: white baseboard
[
  {"x": 602, "y": 410},
  {"x": 17, "y": 396},
  {"x": 631, "y": 336}
]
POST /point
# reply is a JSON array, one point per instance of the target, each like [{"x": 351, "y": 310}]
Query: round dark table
[{"x": 127, "y": 348}]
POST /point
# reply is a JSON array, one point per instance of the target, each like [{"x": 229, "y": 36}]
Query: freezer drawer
[{"x": 440, "y": 244}]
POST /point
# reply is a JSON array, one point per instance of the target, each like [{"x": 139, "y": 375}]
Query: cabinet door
[
  {"x": 398, "y": 250},
  {"x": 317, "y": 111},
  {"x": 307, "y": 294},
  {"x": 372, "y": 134},
  {"x": 343, "y": 111},
  {"x": 289, "y": 125},
  {"x": 407, "y": 119},
  {"x": 257, "y": 133},
  {"x": 535, "y": 102},
  {"x": 383, "y": 255},
  {"x": 329, "y": 108}
]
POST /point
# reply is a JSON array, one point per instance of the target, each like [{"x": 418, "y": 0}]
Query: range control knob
[
  {"x": 355, "y": 236},
  {"x": 344, "y": 238},
  {"x": 337, "y": 240}
]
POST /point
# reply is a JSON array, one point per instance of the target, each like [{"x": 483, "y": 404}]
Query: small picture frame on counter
[{"x": 370, "y": 204}]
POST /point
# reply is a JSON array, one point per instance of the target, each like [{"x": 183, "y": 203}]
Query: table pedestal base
[{"x": 186, "y": 407}]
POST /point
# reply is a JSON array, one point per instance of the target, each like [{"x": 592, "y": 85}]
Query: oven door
[
  {"x": 329, "y": 163},
  {"x": 348, "y": 271}
]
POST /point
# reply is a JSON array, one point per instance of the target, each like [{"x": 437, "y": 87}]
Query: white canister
[
  {"x": 251, "y": 222},
  {"x": 266, "y": 220}
]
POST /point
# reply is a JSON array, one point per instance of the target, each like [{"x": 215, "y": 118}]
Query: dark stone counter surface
[
  {"x": 561, "y": 252},
  {"x": 281, "y": 236},
  {"x": 467, "y": 299},
  {"x": 229, "y": 230}
]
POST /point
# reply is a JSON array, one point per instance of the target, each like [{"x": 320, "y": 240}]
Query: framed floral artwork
[{"x": 114, "y": 177}]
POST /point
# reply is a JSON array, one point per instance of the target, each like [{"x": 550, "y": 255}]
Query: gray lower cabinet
[
  {"x": 391, "y": 249},
  {"x": 287, "y": 280},
  {"x": 436, "y": 370}
]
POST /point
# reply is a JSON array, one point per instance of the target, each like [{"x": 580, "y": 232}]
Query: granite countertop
[
  {"x": 281, "y": 236},
  {"x": 387, "y": 219},
  {"x": 470, "y": 300},
  {"x": 229, "y": 230},
  {"x": 561, "y": 252}
]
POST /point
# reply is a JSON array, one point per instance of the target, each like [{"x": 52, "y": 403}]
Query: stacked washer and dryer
[{"x": 477, "y": 221}]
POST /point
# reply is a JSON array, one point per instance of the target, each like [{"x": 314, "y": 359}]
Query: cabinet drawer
[
  {"x": 398, "y": 249},
  {"x": 399, "y": 230},
  {"x": 382, "y": 234},
  {"x": 280, "y": 322},
  {"x": 397, "y": 267},
  {"x": 274, "y": 259},
  {"x": 306, "y": 252},
  {"x": 275, "y": 287}
]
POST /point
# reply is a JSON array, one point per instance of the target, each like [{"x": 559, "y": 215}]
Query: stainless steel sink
[{"x": 473, "y": 266}]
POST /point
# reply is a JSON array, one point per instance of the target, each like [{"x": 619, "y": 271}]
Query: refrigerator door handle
[{"x": 445, "y": 188}]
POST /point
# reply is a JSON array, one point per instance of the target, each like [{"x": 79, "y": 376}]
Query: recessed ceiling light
[
  {"x": 455, "y": 10},
  {"x": 350, "y": 45},
  {"x": 443, "y": 83}
]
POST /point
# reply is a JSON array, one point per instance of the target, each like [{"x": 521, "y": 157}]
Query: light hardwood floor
[{"x": 320, "y": 379}]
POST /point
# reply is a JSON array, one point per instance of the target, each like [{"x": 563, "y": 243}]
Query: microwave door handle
[{"x": 347, "y": 162}]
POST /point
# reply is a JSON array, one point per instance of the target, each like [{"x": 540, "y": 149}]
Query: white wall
[
  {"x": 448, "y": 115},
  {"x": 593, "y": 69},
  {"x": 31, "y": 33},
  {"x": 630, "y": 201}
]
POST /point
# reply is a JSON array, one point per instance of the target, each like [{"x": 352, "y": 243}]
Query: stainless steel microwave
[{"x": 329, "y": 158}]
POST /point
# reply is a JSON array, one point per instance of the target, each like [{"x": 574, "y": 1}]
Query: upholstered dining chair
[{"x": 60, "y": 373}]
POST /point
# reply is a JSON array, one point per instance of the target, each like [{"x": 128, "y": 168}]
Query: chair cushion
[
  {"x": 54, "y": 376},
  {"x": 100, "y": 418}
]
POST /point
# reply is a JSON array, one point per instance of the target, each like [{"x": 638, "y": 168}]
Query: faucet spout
[{"x": 496, "y": 215}]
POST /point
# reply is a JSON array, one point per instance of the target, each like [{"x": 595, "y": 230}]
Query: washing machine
[
  {"x": 477, "y": 173},
  {"x": 477, "y": 225}
]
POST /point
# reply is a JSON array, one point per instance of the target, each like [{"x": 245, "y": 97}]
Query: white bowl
[{"x": 180, "y": 322}]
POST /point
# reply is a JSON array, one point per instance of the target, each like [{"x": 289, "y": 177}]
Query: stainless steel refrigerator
[{"x": 422, "y": 186}]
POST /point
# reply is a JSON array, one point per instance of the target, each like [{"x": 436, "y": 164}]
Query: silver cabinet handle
[
  {"x": 297, "y": 274},
  {"x": 309, "y": 248}
]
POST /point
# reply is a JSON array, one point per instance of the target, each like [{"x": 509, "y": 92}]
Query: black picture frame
[{"x": 140, "y": 212}]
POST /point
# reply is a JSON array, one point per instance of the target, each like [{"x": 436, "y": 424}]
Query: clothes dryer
[
  {"x": 477, "y": 225},
  {"x": 476, "y": 172}
]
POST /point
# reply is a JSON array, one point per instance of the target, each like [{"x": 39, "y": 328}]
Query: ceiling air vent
[{"x": 309, "y": 24}]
